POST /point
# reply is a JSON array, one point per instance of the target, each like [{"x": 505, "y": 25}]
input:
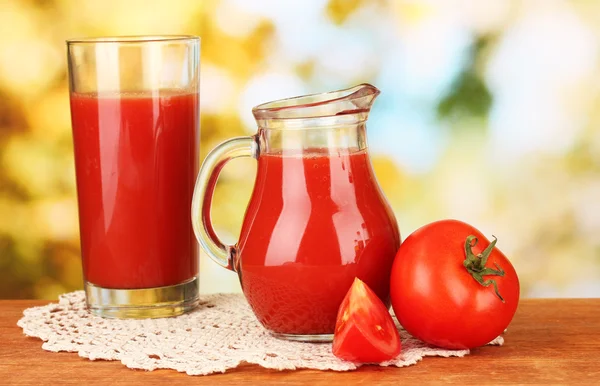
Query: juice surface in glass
[
  {"x": 316, "y": 220},
  {"x": 136, "y": 157}
]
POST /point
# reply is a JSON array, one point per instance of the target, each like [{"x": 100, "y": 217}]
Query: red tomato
[
  {"x": 439, "y": 300},
  {"x": 365, "y": 331}
]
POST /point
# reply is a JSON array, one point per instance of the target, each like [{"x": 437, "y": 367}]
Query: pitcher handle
[{"x": 222, "y": 254}]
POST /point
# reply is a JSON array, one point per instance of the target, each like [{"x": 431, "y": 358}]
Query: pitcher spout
[
  {"x": 350, "y": 101},
  {"x": 361, "y": 96}
]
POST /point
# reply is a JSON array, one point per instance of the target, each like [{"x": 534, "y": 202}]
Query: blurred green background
[{"x": 488, "y": 114}]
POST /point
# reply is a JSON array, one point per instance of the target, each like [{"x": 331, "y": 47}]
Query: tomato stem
[{"x": 475, "y": 264}]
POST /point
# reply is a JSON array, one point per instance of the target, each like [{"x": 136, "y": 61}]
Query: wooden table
[{"x": 549, "y": 341}]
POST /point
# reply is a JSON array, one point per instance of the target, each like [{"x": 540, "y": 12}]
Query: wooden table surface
[{"x": 549, "y": 341}]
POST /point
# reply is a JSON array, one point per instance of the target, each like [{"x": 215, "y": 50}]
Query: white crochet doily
[{"x": 220, "y": 334}]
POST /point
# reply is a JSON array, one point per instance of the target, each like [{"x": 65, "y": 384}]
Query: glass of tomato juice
[
  {"x": 135, "y": 120},
  {"x": 317, "y": 218}
]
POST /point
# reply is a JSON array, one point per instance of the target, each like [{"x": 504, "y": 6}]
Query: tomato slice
[{"x": 365, "y": 331}]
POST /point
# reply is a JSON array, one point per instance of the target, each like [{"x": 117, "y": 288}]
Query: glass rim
[
  {"x": 354, "y": 101},
  {"x": 133, "y": 39}
]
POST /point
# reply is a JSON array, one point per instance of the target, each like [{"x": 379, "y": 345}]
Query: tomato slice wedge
[{"x": 365, "y": 331}]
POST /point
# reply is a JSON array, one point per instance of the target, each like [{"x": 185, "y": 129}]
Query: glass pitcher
[{"x": 316, "y": 219}]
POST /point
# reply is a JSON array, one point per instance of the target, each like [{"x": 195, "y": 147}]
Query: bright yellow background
[{"x": 488, "y": 113}]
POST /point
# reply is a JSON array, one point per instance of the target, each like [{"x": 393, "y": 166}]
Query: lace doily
[{"x": 220, "y": 334}]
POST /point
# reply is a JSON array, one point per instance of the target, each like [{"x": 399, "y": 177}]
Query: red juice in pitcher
[
  {"x": 136, "y": 161},
  {"x": 316, "y": 220}
]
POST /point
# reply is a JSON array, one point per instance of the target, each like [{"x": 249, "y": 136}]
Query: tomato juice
[
  {"x": 316, "y": 220},
  {"x": 136, "y": 159}
]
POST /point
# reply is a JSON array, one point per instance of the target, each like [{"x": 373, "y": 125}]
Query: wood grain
[{"x": 550, "y": 341}]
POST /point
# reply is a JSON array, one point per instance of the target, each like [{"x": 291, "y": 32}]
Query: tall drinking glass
[{"x": 135, "y": 117}]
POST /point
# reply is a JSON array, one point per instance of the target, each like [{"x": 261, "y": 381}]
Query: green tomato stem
[{"x": 475, "y": 264}]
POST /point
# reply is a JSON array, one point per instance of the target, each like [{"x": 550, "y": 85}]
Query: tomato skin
[
  {"x": 365, "y": 331},
  {"x": 436, "y": 299}
]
